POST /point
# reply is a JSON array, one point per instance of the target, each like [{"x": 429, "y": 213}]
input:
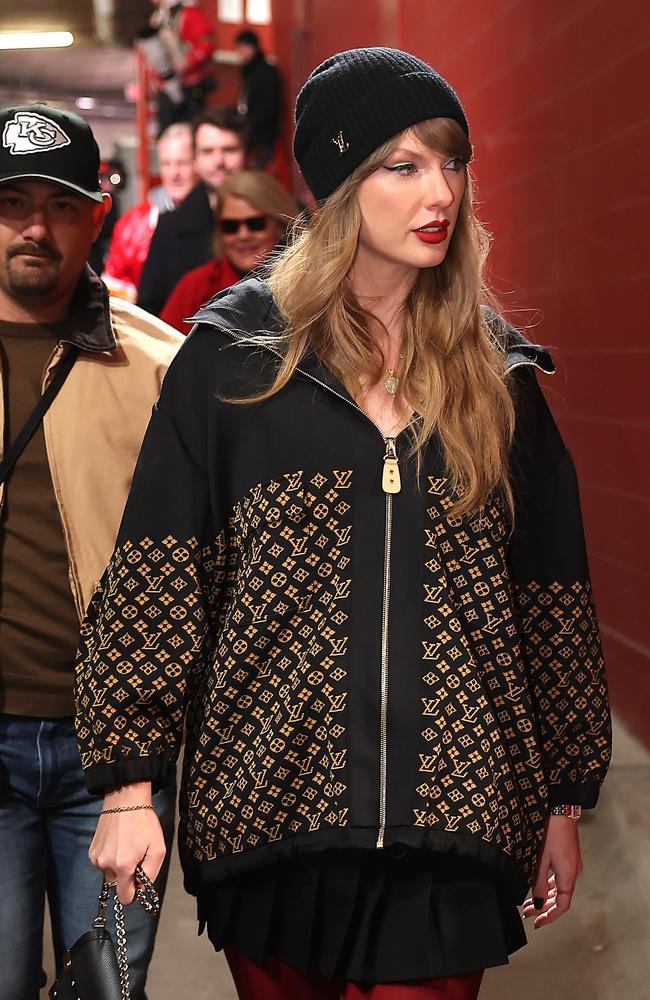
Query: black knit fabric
[{"x": 355, "y": 101}]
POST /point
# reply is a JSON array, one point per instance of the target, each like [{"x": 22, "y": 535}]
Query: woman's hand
[
  {"x": 124, "y": 840},
  {"x": 558, "y": 870}
]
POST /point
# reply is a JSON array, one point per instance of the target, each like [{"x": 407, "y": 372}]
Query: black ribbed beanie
[{"x": 357, "y": 100}]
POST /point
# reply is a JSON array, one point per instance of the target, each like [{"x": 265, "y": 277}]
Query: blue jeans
[{"x": 47, "y": 821}]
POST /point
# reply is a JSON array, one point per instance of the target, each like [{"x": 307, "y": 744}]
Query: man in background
[
  {"x": 259, "y": 97},
  {"x": 61, "y": 504},
  {"x": 183, "y": 238},
  {"x": 133, "y": 231}
]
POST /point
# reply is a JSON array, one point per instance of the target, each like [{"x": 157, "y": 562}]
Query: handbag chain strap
[
  {"x": 122, "y": 957},
  {"x": 147, "y": 895}
]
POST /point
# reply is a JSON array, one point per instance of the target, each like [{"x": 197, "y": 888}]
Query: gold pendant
[{"x": 391, "y": 383}]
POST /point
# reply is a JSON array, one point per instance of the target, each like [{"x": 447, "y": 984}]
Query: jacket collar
[
  {"x": 519, "y": 350},
  {"x": 89, "y": 323},
  {"x": 249, "y": 306}
]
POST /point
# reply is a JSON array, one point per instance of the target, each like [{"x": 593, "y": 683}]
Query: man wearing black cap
[{"x": 85, "y": 371}]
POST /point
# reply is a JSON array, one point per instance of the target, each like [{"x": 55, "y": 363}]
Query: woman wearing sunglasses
[
  {"x": 352, "y": 559},
  {"x": 253, "y": 212}
]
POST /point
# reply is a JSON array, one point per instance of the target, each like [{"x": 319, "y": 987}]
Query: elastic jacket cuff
[
  {"x": 574, "y": 793},
  {"x": 158, "y": 769}
]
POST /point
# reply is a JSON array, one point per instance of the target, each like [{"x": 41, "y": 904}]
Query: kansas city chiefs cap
[{"x": 44, "y": 143}]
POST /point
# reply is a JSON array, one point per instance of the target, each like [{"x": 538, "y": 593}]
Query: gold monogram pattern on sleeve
[
  {"x": 268, "y": 750},
  {"x": 141, "y": 646},
  {"x": 563, "y": 653}
]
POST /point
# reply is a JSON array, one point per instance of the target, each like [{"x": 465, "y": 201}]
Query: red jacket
[
  {"x": 129, "y": 249},
  {"x": 194, "y": 289},
  {"x": 196, "y": 32}
]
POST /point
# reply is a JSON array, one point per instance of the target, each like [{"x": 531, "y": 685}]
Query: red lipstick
[{"x": 433, "y": 232}]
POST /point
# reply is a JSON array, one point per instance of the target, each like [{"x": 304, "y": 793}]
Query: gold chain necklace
[{"x": 391, "y": 382}]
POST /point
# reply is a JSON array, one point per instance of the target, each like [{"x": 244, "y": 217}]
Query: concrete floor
[{"x": 599, "y": 951}]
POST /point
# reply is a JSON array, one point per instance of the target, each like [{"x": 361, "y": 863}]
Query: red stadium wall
[
  {"x": 555, "y": 96},
  {"x": 556, "y": 102}
]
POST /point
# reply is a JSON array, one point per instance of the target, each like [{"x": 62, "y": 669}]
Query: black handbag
[{"x": 93, "y": 969}]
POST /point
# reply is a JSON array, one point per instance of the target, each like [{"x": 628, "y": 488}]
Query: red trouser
[{"x": 277, "y": 981}]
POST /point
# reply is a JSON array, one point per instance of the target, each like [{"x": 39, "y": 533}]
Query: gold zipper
[{"x": 391, "y": 484}]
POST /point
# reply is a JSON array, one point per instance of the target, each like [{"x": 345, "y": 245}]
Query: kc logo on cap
[
  {"x": 28, "y": 132},
  {"x": 49, "y": 144}
]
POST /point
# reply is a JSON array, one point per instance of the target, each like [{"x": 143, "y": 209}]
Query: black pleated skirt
[{"x": 379, "y": 916}]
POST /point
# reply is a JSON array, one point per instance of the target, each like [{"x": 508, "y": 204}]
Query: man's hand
[{"x": 557, "y": 872}]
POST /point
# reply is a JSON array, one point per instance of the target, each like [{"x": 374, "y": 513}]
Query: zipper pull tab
[{"x": 390, "y": 480}]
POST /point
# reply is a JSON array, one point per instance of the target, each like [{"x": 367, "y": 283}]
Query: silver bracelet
[{"x": 123, "y": 809}]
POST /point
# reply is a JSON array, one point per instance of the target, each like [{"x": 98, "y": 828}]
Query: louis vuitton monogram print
[
  {"x": 480, "y": 768},
  {"x": 474, "y": 694},
  {"x": 564, "y": 657},
  {"x": 142, "y": 645},
  {"x": 268, "y": 740},
  {"x": 252, "y": 631}
]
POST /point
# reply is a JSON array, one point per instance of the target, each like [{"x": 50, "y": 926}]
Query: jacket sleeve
[
  {"x": 147, "y": 634},
  {"x": 554, "y": 605}
]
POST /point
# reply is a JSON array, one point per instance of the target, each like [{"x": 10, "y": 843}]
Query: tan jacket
[{"x": 94, "y": 428}]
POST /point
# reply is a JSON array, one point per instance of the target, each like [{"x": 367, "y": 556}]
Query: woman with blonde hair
[
  {"x": 253, "y": 212},
  {"x": 352, "y": 560}
]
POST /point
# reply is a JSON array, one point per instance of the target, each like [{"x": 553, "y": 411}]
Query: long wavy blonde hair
[{"x": 453, "y": 368}]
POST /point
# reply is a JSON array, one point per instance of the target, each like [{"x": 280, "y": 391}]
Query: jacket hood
[
  {"x": 243, "y": 308},
  {"x": 249, "y": 307}
]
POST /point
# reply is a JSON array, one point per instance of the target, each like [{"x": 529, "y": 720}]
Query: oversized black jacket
[{"x": 356, "y": 667}]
